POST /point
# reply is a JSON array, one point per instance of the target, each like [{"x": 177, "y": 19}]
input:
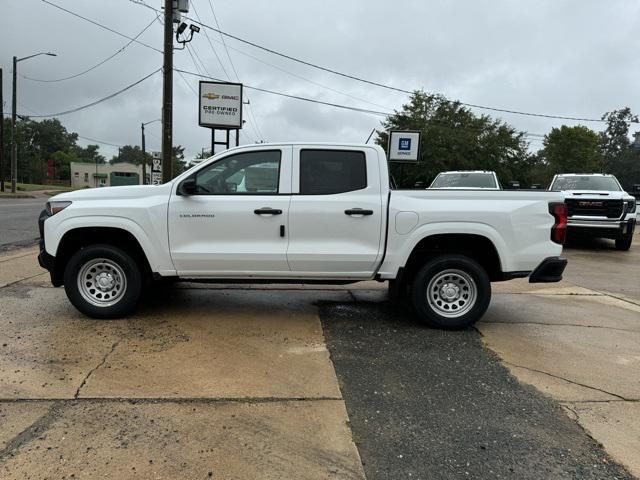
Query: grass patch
[{"x": 30, "y": 187}]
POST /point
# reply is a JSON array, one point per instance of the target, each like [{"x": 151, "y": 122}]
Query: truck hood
[
  {"x": 134, "y": 191},
  {"x": 595, "y": 194}
]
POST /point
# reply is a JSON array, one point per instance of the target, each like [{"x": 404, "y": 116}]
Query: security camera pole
[{"x": 167, "y": 92}]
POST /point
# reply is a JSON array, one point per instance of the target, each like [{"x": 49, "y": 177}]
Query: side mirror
[{"x": 188, "y": 186}]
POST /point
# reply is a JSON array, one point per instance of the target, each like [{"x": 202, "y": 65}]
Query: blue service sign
[{"x": 404, "y": 146}]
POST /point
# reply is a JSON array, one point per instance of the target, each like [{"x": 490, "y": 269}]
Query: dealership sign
[
  {"x": 404, "y": 146},
  {"x": 220, "y": 105}
]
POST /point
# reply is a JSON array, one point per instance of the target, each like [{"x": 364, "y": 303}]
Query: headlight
[
  {"x": 630, "y": 205},
  {"x": 55, "y": 207}
]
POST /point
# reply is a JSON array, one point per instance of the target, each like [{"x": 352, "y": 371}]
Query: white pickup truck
[
  {"x": 301, "y": 213},
  {"x": 597, "y": 206}
]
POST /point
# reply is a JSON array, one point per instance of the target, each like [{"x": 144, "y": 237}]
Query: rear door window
[{"x": 325, "y": 172}]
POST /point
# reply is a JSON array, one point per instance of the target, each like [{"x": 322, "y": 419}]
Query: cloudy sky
[{"x": 560, "y": 57}]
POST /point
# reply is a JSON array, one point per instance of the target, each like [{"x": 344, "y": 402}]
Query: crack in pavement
[
  {"x": 32, "y": 431},
  {"x": 567, "y": 380},
  {"x": 559, "y": 325},
  {"x": 622, "y": 299},
  {"x": 21, "y": 280},
  {"x": 104, "y": 360}
]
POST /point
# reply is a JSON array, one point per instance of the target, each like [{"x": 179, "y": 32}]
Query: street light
[
  {"x": 144, "y": 154},
  {"x": 14, "y": 146}
]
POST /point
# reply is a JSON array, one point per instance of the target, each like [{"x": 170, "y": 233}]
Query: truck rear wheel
[
  {"x": 451, "y": 292},
  {"x": 103, "y": 281}
]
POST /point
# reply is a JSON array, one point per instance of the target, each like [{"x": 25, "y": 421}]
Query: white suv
[{"x": 598, "y": 206}]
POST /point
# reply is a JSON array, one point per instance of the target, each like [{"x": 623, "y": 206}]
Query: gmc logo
[{"x": 591, "y": 204}]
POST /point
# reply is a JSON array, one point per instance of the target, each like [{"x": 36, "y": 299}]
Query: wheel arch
[
  {"x": 77, "y": 238},
  {"x": 475, "y": 246}
]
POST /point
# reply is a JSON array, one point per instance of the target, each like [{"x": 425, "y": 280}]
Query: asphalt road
[
  {"x": 19, "y": 221},
  {"x": 429, "y": 404},
  {"x": 596, "y": 264}
]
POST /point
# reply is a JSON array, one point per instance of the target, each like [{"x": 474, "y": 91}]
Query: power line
[
  {"x": 211, "y": 44},
  {"x": 96, "y": 102},
  {"x": 102, "y": 26},
  {"x": 101, "y": 142},
  {"x": 313, "y": 82},
  {"x": 122, "y": 49},
  {"x": 305, "y": 99},
  {"x": 254, "y": 122},
  {"x": 388, "y": 87},
  {"x": 335, "y": 72}
]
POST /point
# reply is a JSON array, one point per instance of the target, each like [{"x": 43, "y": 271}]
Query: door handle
[
  {"x": 358, "y": 211},
  {"x": 267, "y": 211}
]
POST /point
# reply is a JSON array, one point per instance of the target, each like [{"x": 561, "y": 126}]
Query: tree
[
  {"x": 90, "y": 154},
  {"x": 129, "y": 154},
  {"x": 572, "y": 150},
  {"x": 177, "y": 160},
  {"x": 454, "y": 138},
  {"x": 620, "y": 157},
  {"x": 615, "y": 138}
]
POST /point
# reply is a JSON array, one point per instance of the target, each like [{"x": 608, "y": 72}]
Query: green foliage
[
  {"x": 178, "y": 165},
  {"x": 572, "y": 150},
  {"x": 620, "y": 156},
  {"x": 454, "y": 138},
  {"x": 129, "y": 154}
]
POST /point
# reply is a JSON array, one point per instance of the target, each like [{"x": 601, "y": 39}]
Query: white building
[{"x": 104, "y": 174}]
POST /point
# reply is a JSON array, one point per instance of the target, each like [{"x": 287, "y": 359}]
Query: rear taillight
[{"x": 559, "y": 229}]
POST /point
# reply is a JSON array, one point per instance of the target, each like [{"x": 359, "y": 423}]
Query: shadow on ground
[{"x": 433, "y": 404}]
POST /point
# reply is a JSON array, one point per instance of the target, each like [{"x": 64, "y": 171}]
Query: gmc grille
[{"x": 594, "y": 207}]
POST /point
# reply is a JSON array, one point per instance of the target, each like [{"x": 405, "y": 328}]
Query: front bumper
[
  {"x": 46, "y": 261},
  {"x": 602, "y": 228},
  {"x": 549, "y": 271}
]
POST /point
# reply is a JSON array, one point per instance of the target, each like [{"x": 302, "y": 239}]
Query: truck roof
[
  {"x": 584, "y": 175},
  {"x": 467, "y": 171}
]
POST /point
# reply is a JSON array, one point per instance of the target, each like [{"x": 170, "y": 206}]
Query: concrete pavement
[
  {"x": 238, "y": 385},
  {"x": 19, "y": 220},
  {"x": 237, "y": 381}
]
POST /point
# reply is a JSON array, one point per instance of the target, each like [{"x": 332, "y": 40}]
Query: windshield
[
  {"x": 464, "y": 180},
  {"x": 586, "y": 182}
]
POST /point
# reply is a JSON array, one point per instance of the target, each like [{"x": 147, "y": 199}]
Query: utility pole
[
  {"x": 144, "y": 158},
  {"x": 1, "y": 137},
  {"x": 167, "y": 93},
  {"x": 14, "y": 146}
]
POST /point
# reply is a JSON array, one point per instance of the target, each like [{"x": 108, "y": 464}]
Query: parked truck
[
  {"x": 598, "y": 207},
  {"x": 301, "y": 213}
]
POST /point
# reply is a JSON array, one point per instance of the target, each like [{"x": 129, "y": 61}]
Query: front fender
[{"x": 155, "y": 251}]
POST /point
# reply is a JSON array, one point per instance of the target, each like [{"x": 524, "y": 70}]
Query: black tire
[
  {"x": 107, "y": 260},
  {"x": 451, "y": 274},
  {"x": 624, "y": 243}
]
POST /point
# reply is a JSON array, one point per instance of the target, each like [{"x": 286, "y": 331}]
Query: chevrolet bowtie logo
[{"x": 210, "y": 96}]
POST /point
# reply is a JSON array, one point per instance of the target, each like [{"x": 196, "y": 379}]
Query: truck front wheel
[
  {"x": 451, "y": 292},
  {"x": 624, "y": 243},
  {"x": 103, "y": 281}
]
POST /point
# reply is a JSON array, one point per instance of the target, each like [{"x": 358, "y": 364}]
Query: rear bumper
[{"x": 550, "y": 270}]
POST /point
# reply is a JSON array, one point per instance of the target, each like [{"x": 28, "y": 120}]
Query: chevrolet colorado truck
[
  {"x": 598, "y": 207},
  {"x": 301, "y": 213}
]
